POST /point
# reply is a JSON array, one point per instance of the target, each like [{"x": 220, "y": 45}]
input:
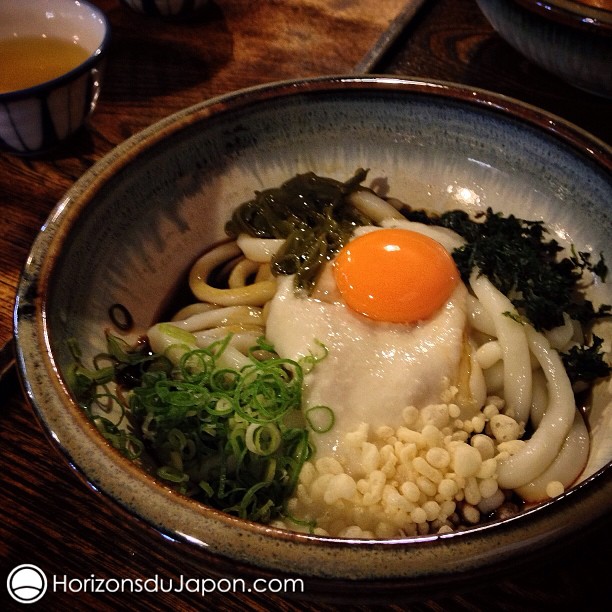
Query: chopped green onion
[
  {"x": 262, "y": 439},
  {"x": 167, "y": 472},
  {"x": 320, "y": 418},
  {"x": 236, "y": 439}
]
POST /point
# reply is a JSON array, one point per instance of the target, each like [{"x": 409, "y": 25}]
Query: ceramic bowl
[
  {"x": 569, "y": 38},
  {"x": 130, "y": 228},
  {"x": 41, "y": 112},
  {"x": 166, "y": 8}
]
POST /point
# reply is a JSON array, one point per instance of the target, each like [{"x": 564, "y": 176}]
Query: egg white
[{"x": 373, "y": 370}]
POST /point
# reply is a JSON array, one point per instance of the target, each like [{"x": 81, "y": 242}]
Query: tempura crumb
[
  {"x": 433, "y": 474},
  {"x": 554, "y": 488}
]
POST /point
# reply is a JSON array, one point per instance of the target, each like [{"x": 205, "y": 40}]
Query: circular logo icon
[{"x": 26, "y": 583}]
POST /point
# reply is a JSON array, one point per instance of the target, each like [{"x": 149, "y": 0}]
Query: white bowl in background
[{"x": 570, "y": 38}]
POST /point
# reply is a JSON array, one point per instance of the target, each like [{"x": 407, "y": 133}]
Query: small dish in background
[
  {"x": 52, "y": 55},
  {"x": 571, "y": 39}
]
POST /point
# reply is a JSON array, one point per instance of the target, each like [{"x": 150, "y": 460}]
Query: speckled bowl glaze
[
  {"x": 36, "y": 119},
  {"x": 166, "y": 8},
  {"x": 571, "y": 39},
  {"x": 133, "y": 224}
]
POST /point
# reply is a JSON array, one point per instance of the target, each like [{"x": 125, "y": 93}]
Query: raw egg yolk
[{"x": 395, "y": 275}]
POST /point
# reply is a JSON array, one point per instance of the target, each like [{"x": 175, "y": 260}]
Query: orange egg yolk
[{"x": 395, "y": 275}]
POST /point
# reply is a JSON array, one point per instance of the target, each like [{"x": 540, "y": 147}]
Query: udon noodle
[{"x": 444, "y": 464}]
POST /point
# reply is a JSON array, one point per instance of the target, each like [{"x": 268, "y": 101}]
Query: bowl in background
[
  {"x": 128, "y": 231},
  {"x": 569, "y": 38},
  {"x": 179, "y": 9},
  {"x": 52, "y": 53}
]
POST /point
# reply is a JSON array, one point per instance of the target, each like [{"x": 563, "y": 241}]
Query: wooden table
[{"x": 48, "y": 516}]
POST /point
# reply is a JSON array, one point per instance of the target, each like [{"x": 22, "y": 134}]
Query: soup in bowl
[{"x": 349, "y": 327}]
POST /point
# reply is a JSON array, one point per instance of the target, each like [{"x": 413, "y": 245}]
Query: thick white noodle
[
  {"x": 566, "y": 467},
  {"x": 191, "y": 309},
  {"x": 229, "y": 315},
  {"x": 373, "y": 206},
  {"x": 233, "y": 358},
  {"x": 175, "y": 344},
  {"x": 544, "y": 445},
  {"x": 539, "y": 399},
  {"x": 260, "y": 250},
  {"x": 488, "y": 354},
  {"x": 241, "y": 272},
  {"x": 513, "y": 341},
  {"x": 242, "y": 340},
  {"x": 446, "y": 237},
  {"x": 560, "y": 337},
  {"x": 479, "y": 318},
  {"x": 256, "y": 294}
]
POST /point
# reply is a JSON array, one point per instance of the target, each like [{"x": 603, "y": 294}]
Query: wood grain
[{"x": 48, "y": 515}]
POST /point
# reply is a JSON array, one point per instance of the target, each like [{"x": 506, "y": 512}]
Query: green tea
[{"x": 29, "y": 60}]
